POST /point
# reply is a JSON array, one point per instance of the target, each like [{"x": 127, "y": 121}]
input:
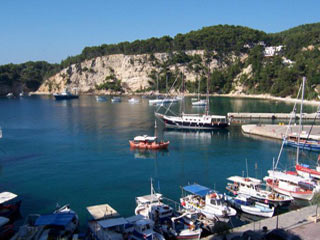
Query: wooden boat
[
  {"x": 148, "y": 142},
  {"x": 206, "y": 201},
  {"x": 8, "y": 208},
  {"x": 247, "y": 205},
  {"x": 256, "y": 190}
]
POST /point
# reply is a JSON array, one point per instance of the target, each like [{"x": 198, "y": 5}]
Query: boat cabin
[{"x": 243, "y": 185}]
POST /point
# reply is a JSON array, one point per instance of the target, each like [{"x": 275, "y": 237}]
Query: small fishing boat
[
  {"x": 306, "y": 171},
  {"x": 9, "y": 208},
  {"x": 148, "y": 142},
  {"x": 163, "y": 101},
  {"x": 143, "y": 229},
  {"x": 182, "y": 228},
  {"x": 101, "y": 98},
  {"x": 206, "y": 201},
  {"x": 62, "y": 223},
  {"x": 289, "y": 184},
  {"x": 116, "y": 99},
  {"x": 247, "y": 205},
  {"x": 133, "y": 100},
  {"x": 306, "y": 141},
  {"x": 152, "y": 207},
  {"x": 10, "y": 95},
  {"x": 65, "y": 95},
  {"x": 106, "y": 223},
  {"x": 256, "y": 190}
]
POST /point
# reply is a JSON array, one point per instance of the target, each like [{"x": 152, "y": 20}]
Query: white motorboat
[
  {"x": 200, "y": 103},
  {"x": 207, "y": 202},
  {"x": 151, "y": 207},
  {"x": 65, "y": 95},
  {"x": 10, "y": 95},
  {"x": 247, "y": 205},
  {"x": 133, "y": 100},
  {"x": 116, "y": 99},
  {"x": 101, "y": 98}
]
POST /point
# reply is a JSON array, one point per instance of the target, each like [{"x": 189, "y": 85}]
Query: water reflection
[{"x": 149, "y": 153}]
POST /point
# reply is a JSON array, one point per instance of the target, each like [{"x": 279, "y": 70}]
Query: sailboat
[
  {"x": 194, "y": 121},
  {"x": 199, "y": 102},
  {"x": 289, "y": 183}
]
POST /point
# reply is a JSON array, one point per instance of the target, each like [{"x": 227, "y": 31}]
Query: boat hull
[
  {"x": 153, "y": 146},
  {"x": 307, "y": 195},
  {"x": 192, "y": 125},
  {"x": 306, "y": 171},
  {"x": 256, "y": 212},
  {"x": 67, "y": 97},
  {"x": 311, "y": 146}
]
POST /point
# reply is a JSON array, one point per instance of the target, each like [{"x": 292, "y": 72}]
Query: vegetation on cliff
[{"x": 278, "y": 75}]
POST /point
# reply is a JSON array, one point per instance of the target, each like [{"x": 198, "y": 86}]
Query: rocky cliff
[{"x": 133, "y": 71}]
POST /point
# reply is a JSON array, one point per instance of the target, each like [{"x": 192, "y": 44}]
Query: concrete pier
[
  {"x": 237, "y": 115},
  {"x": 287, "y": 221},
  {"x": 276, "y": 131}
]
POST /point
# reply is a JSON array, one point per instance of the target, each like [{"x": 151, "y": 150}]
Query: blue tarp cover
[
  {"x": 197, "y": 189},
  {"x": 60, "y": 219}
]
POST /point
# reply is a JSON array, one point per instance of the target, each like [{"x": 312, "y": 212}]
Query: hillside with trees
[{"x": 233, "y": 48}]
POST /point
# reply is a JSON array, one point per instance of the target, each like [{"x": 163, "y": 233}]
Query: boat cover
[
  {"x": 107, "y": 223},
  {"x": 145, "y": 138},
  {"x": 6, "y": 196},
  {"x": 246, "y": 181},
  {"x": 197, "y": 189},
  {"x": 60, "y": 219},
  {"x": 134, "y": 218}
]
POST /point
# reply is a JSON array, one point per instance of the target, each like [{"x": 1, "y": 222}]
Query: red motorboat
[{"x": 148, "y": 142}]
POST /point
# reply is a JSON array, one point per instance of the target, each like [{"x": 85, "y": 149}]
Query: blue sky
[{"x": 51, "y": 30}]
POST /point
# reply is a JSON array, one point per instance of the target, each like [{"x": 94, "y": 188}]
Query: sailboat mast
[
  {"x": 300, "y": 119},
  {"x": 207, "y": 96}
]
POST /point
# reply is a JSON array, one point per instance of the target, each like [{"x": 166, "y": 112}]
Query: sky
[{"x": 52, "y": 30}]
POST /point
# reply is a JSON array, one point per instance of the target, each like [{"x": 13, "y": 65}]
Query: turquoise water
[{"x": 77, "y": 152}]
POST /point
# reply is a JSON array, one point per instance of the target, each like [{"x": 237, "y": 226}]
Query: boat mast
[
  {"x": 300, "y": 119},
  {"x": 207, "y": 96}
]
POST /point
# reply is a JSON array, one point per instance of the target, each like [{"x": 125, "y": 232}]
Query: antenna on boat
[{"x": 247, "y": 168}]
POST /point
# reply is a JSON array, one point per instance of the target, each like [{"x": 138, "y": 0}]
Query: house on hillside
[{"x": 272, "y": 51}]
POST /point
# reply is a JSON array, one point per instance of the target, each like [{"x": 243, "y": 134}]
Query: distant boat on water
[
  {"x": 101, "y": 98},
  {"x": 116, "y": 99},
  {"x": 10, "y": 95},
  {"x": 65, "y": 95}
]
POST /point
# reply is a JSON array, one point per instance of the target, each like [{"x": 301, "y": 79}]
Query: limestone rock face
[{"x": 132, "y": 70}]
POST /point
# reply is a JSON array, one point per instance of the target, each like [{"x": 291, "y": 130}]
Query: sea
[{"x": 77, "y": 152}]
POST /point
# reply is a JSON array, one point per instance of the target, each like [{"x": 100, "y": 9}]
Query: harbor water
[{"x": 77, "y": 152}]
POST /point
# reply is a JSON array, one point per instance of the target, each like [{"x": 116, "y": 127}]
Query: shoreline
[{"x": 230, "y": 95}]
